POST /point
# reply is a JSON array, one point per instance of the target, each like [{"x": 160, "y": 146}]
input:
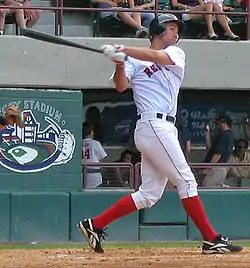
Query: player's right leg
[
  {"x": 150, "y": 191},
  {"x": 92, "y": 234}
]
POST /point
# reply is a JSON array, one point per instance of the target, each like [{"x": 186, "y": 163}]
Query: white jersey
[
  {"x": 92, "y": 152},
  {"x": 156, "y": 87}
]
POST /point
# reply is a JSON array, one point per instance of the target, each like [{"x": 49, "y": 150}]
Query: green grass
[{"x": 107, "y": 245}]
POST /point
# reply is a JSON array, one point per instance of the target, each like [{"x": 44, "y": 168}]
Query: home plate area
[{"x": 121, "y": 257}]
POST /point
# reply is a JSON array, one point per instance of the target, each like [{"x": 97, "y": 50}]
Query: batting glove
[
  {"x": 110, "y": 49},
  {"x": 118, "y": 57}
]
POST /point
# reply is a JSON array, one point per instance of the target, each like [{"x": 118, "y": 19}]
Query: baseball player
[
  {"x": 12, "y": 115},
  {"x": 92, "y": 152},
  {"x": 155, "y": 75}
]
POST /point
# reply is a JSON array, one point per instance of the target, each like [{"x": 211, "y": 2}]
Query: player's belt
[{"x": 157, "y": 115}]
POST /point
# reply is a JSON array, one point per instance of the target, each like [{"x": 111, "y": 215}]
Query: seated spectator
[
  {"x": 3, "y": 12},
  {"x": 24, "y": 17},
  {"x": 143, "y": 4},
  {"x": 219, "y": 151},
  {"x": 120, "y": 176},
  {"x": 92, "y": 152},
  {"x": 222, "y": 7},
  {"x": 131, "y": 19},
  {"x": 123, "y": 173},
  {"x": 193, "y": 5},
  {"x": 239, "y": 155}
]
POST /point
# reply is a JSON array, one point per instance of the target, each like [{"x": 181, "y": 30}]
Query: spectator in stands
[
  {"x": 123, "y": 173},
  {"x": 18, "y": 13},
  {"x": 143, "y": 4},
  {"x": 239, "y": 155},
  {"x": 28, "y": 17},
  {"x": 222, "y": 7},
  {"x": 93, "y": 117},
  {"x": 131, "y": 19},
  {"x": 120, "y": 176},
  {"x": 92, "y": 152},
  {"x": 3, "y": 11},
  {"x": 218, "y": 152},
  {"x": 194, "y": 5},
  {"x": 183, "y": 135}
]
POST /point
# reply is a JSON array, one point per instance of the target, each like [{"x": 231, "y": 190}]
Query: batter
[{"x": 155, "y": 75}]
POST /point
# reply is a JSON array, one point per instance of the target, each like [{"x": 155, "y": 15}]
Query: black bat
[{"x": 55, "y": 39}]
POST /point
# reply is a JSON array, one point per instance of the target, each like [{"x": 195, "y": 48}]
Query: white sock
[{"x": 1, "y": 32}]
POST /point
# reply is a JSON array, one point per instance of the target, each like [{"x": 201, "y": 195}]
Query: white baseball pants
[{"x": 162, "y": 160}]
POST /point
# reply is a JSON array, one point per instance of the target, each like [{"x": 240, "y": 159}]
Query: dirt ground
[{"x": 121, "y": 257}]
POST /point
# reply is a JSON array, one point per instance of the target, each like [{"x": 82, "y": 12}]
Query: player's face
[{"x": 170, "y": 36}]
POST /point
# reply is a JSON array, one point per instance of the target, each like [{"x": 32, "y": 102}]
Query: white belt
[{"x": 153, "y": 115}]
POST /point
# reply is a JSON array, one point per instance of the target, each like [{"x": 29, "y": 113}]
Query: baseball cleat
[
  {"x": 92, "y": 234},
  {"x": 221, "y": 245}
]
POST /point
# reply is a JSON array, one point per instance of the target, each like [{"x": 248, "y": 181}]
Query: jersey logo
[
  {"x": 32, "y": 149},
  {"x": 149, "y": 71}
]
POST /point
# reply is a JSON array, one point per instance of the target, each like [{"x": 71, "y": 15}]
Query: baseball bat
[{"x": 54, "y": 39}]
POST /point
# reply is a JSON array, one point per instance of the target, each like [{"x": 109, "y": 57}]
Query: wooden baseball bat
[{"x": 54, "y": 39}]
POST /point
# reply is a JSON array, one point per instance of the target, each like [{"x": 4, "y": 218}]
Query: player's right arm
[
  {"x": 123, "y": 74},
  {"x": 120, "y": 79}
]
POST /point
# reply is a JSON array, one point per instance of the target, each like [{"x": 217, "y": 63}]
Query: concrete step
[{"x": 68, "y": 30}]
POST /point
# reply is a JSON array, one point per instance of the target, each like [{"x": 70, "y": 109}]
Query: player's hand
[
  {"x": 114, "y": 52},
  {"x": 118, "y": 57},
  {"x": 110, "y": 49}
]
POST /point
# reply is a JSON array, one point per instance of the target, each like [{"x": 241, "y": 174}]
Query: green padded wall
[
  {"x": 88, "y": 204},
  {"x": 167, "y": 210},
  {"x": 228, "y": 211},
  {"x": 30, "y": 157},
  {"x": 162, "y": 233},
  {"x": 4, "y": 216},
  {"x": 39, "y": 216}
]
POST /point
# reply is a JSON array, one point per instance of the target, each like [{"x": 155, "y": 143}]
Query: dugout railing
[
  {"x": 59, "y": 9},
  {"x": 135, "y": 178}
]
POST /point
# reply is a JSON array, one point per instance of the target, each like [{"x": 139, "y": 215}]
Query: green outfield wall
[{"x": 49, "y": 216}]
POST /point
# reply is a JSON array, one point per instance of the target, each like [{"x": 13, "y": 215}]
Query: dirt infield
[{"x": 121, "y": 257}]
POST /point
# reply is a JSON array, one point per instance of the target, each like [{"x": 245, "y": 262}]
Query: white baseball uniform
[
  {"x": 92, "y": 152},
  {"x": 155, "y": 90}
]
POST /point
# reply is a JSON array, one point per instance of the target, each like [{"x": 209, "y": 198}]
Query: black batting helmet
[{"x": 158, "y": 24}]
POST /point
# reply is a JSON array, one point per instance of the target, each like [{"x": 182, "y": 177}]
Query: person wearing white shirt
[{"x": 92, "y": 152}]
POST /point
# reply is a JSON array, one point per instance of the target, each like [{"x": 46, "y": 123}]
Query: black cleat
[
  {"x": 221, "y": 245},
  {"x": 93, "y": 235}
]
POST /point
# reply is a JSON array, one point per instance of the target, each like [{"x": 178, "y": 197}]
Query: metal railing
[
  {"x": 137, "y": 168},
  {"x": 134, "y": 170},
  {"x": 129, "y": 166},
  {"x": 59, "y": 9}
]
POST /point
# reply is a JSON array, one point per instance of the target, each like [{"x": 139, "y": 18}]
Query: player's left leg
[{"x": 168, "y": 157}]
